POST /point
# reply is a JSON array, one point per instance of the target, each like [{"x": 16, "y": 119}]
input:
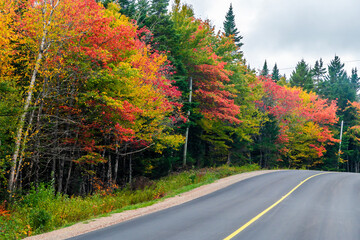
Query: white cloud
[{"x": 285, "y": 31}]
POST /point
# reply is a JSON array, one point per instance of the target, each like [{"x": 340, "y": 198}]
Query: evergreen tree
[
  {"x": 275, "y": 73},
  {"x": 355, "y": 79},
  {"x": 265, "y": 147},
  {"x": 302, "y": 77},
  {"x": 318, "y": 71},
  {"x": 159, "y": 7},
  {"x": 337, "y": 85},
  {"x": 142, "y": 9},
  {"x": 127, "y": 7},
  {"x": 265, "y": 70},
  {"x": 230, "y": 27},
  {"x": 336, "y": 72}
]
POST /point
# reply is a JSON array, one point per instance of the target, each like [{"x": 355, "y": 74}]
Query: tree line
[{"x": 102, "y": 92}]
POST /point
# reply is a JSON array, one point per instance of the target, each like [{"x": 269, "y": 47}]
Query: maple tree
[
  {"x": 207, "y": 69},
  {"x": 79, "y": 47},
  {"x": 207, "y": 58},
  {"x": 304, "y": 121}
]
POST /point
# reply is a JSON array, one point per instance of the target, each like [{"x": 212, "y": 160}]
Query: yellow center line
[{"x": 268, "y": 209}]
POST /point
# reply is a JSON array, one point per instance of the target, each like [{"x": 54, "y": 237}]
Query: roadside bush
[
  {"x": 39, "y": 219},
  {"x": 42, "y": 210}
]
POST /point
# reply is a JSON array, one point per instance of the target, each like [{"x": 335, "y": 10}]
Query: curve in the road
[
  {"x": 268, "y": 209},
  {"x": 322, "y": 207}
]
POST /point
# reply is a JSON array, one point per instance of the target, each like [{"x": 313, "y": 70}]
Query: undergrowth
[{"x": 42, "y": 210}]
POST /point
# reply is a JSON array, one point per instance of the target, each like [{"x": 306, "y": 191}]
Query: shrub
[
  {"x": 39, "y": 219},
  {"x": 42, "y": 210}
]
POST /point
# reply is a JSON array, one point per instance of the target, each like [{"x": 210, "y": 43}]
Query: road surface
[{"x": 287, "y": 205}]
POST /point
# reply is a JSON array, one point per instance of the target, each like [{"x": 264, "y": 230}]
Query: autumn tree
[
  {"x": 213, "y": 97},
  {"x": 77, "y": 50},
  {"x": 304, "y": 119}
]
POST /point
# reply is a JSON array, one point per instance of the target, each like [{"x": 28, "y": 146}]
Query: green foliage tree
[
  {"x": 230, "y": 27},
  {"x": 354, "y": 79},
  {"x": 302, "y": 77},
  {"x": 127, "y": 7},
  {"x": 265, "y": 70},
  {"x": 265, "y": 147},
  {"x": 159, "y": 7},
  {"x": 337, "y": 85},
  {"x": 318, "y": 72},
  {"x": 275, "y": 75},
  {"x": 142, "y": 12}
]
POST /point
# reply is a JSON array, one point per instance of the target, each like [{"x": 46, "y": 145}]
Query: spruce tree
[
  {"x": 127, "y": 7},
  {"x": 230, "y": 27},
  {"x": 275, "y": 73},
  {"x": 336, "y": 71},
  {"x": 159, "y": 7},
  {"x": 265, "y": 70},
  {"x": 318, "y": 71},
  {"x": 302, "y": 76},
  {"x": 337, "y": 85}
]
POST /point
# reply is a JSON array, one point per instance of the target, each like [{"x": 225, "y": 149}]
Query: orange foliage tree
[
  {"x": 304, "y": 120},
  {"x": 94, "y": 82}
]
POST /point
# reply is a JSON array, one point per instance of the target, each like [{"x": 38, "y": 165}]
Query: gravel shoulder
[{"x": 88, "y": 226}]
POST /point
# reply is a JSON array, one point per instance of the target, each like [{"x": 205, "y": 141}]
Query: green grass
[{"x": 42, "y": 211}]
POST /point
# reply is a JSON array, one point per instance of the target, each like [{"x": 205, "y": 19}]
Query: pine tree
[
  {"x": 275, "y": 73},
  {"x": 302, "y": 77},
  {"x": 265, "y": 70},
  {"x": 159, "y": 7},
  {"x": 230, "y": 27}
]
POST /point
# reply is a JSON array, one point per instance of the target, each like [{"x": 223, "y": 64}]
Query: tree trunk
[
  {"x": 61, "y": 174},
  {"x": 228, "y": 162},
  {"x": 109, "y": 175},
  {"x": 130, "y": 169},
  {"x": 116, "y": 163},
  {"x": 23, "y": 145},
  {"x": 44, "y": 45},
  {"x": 68, "y": 178}
]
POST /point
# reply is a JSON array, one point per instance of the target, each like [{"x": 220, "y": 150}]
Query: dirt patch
[{"x": 81, "y": 228}]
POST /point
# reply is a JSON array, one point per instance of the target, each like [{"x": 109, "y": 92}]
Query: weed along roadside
[{"x": 43, "y": 211}]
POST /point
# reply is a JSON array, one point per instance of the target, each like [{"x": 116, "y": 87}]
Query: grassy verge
[{"x": 41, "y": 211}]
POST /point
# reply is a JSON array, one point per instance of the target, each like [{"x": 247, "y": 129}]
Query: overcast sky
[{"x": 286, "y": 31}]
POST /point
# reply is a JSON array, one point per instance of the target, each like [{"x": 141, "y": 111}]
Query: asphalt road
[{"x": 326, "y": 206}]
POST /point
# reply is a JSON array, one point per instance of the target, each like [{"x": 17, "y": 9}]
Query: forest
[{"x": 96, "y": 93}]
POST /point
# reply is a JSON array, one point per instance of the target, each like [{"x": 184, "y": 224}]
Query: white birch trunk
[{"x": 44, "y": 45}]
